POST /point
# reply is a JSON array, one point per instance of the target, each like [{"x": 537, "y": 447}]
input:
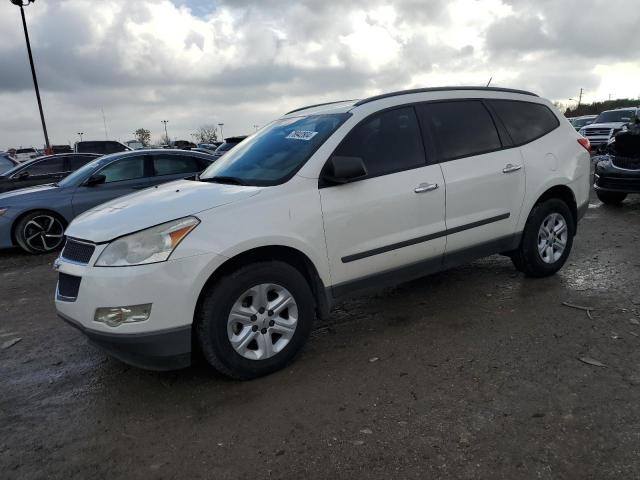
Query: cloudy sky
[{"x": 244, "y": 62}]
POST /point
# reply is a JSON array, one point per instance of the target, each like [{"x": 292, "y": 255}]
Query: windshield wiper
[{"x": 224, "y": 179}]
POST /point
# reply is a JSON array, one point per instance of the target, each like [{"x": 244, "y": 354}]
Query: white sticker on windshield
[{"x": 305, "y": 135}]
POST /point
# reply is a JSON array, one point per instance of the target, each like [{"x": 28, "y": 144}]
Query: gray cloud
[{"x": 244, "y": 62}]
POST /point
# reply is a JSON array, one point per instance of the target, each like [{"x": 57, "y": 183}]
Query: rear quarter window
[{"x": 525, "y": 121}]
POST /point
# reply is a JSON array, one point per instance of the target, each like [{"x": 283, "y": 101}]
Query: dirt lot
[{"x": 472, "y": 373}]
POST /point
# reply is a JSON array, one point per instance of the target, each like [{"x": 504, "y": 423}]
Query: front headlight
[
  {"x": 582, "y": 131},
  {"x": 3, "y": 211},
  {"x": 152, "y": 245}
]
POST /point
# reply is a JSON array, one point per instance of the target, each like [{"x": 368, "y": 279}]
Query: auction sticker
[{"x": 305, "y": 135}]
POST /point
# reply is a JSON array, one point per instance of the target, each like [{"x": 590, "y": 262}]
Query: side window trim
[
  {"x": 367, "y": 118},
  {"x": 503, "y": 133}
]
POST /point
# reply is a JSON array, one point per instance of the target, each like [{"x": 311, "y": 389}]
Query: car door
[
  {"x": 485, "y": 180},
  {"x": 47, "y": 170},
  {"x": 125, "y": 175},
  {"x": 393, "y": 217},
  {"x": 174, "y": 166}
]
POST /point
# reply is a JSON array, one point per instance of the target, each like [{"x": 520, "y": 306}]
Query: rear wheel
[
  {"x": 40, "y": 232},
  {"x": 611, "y": 198},
  {"x": 547, "y": 239},
  {"x": 254, "y": 321}
]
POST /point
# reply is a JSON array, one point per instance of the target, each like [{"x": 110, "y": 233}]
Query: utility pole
[
  {"x": 221, "y": 134},
  {"x": 166, "y": 135},
  {"x": 20, "y": 4},
  {"x": 256, "y": 127},
  {"x": 580, "y": 98},
  {"x": 104, "y": 122},
  {"x": 80, "y": 135}
]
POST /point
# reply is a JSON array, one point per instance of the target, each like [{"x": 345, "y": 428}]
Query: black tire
[
  {"x": 215, "y": 306},
  {"x": 611, "y": 198},
  {"x": 47, "y": 227},
  {"x": 527, "y": 258}
]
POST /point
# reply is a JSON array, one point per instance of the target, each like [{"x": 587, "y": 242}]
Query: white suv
[{"x": 323, "y": 202}]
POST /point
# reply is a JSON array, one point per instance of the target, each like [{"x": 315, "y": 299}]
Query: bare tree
[
  {"x": 206, "y": 134},
  {"x": 143, "y": 136}
]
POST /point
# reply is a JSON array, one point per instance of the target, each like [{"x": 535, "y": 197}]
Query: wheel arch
[
  {"x": 16, "y": 221},
  {"x": 564, "y": 193},
  {"x": 286, "y": 254}
]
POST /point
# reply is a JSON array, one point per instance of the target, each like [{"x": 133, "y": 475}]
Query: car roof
[{"x": 343, "y": 106}]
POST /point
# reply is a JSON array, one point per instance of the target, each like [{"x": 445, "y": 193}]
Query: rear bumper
[{"x": 161, "y": 350}]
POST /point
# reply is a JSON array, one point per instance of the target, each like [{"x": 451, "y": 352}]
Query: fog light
[{"x": 115, "y": 316}]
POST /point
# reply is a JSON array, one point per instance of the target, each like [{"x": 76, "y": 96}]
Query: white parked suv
[{"x": 326, "y": 201}]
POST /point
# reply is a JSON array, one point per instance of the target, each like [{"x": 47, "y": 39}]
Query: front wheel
[
  {"x": 611, "y": 198},
  {"x": 547, "y": 239},
  {"x": 255, "y": 320},
  {"x": 39, "y": 232}
]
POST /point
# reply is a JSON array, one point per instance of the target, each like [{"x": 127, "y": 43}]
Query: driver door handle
[
  {"x": 509, "y": 167},
  {"x": 426, "y": 187}
]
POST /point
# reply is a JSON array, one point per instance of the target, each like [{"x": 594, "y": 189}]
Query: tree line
[{"x": 204, "y": 134}]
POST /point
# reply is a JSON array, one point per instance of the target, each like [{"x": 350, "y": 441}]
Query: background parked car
[
  {"x": 7, "y": 162},
  {"x": 61, "y": 149},
  {"x": 134, "y": 144},
  {"x": 579, "y": 122},
  {"x": 228, "y": 144},
  {"x": 24, "y": 154},
  {"x": 607, "y": 124},
  {"x": 184, "y": 144},
  {"x": 43, "y": 170},
  {"x": 35, "y": 218},
  {"x": 103, "y": 147}
]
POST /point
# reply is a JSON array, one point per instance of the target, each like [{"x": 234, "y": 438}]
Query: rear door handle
[
  {"x": 426, "y": 187},
  {"x": 509, "y": 167}
]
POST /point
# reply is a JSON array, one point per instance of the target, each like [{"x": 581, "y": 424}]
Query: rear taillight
[{"x": 585, "y": 143}]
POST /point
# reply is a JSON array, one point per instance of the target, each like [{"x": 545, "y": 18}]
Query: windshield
[
  {"x": 615, "y": 116},
  {"x": 276, "y": 152},
  {"x": 581, "y": 122},
  {"x": 77, "y": 177},
  {"x": 225, "y": 146}
]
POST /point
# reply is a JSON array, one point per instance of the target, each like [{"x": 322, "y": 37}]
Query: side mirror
[
  {"x": 95, "y": 180},
  {"x": 341, "y": 169}
]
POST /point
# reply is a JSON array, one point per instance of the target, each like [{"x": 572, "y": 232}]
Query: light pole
[
  {"x": 256, "y": 127},
  {"x": 221, "y": 134},
  {"x": 80, "y": 135},
  {"x": 21, "y": 4},
  {"x": 166, "y": 135}
]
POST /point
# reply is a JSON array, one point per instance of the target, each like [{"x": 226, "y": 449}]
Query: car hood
[
  {"x": 28, "y": 193},
  {"x": 154, "y": 206},
  {"x": 604, "y": 125}
]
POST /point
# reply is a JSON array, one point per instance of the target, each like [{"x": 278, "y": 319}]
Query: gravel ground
[{"x": 471, "y": 373}]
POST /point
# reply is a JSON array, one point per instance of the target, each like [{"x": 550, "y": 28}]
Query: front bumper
[
  {"x": 164, "y": 350},
  {"x": 609, "y": 178},
  {"x": 161, "y": 342}
]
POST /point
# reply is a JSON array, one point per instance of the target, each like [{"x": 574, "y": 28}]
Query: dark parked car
[
  {"x": 184, "y": 144},
  {"x": 617, "y": 174},
  {"x": 43, "y": 170},
  {"x": 103, "y": 147},
  {"x": 7, "y": 162},
  {"x": 228, "y": 144},
  {"x": 61, "y": 149},
  {"x": 35, "y": 218}
]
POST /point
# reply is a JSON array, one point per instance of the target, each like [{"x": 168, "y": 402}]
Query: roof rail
[
  {"x": 440, "y": 89},
  {"x": 319, "y": 105}
]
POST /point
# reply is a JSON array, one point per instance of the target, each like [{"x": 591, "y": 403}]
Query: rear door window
[
  {"x": 387, "y": 142},
  {"x": 524, "y": 121},
  {"x": 460, "y": 128},
  {"x": 166, "y": 164},
  {"x": 46, "y": 167},
  {"x": 77, "y": 161}
]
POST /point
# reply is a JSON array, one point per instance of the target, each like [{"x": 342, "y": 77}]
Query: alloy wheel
[
  {"x": 552, "y": 238},
  {"x": 43, "y": 233}
]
